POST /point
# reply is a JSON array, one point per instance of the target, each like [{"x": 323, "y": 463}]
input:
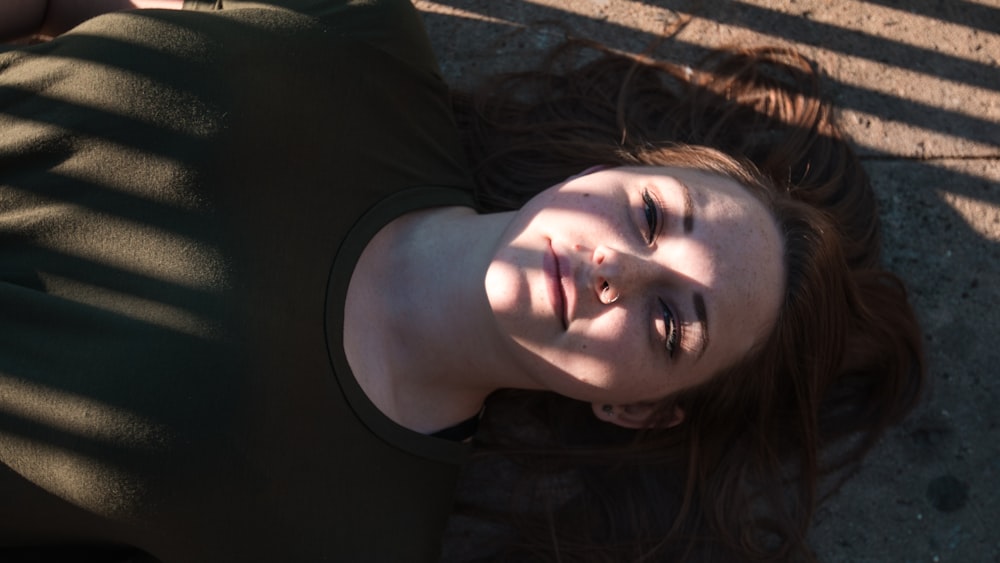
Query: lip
[{"x": 554, "y": 284}]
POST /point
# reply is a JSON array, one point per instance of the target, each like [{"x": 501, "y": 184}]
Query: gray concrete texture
[{"x": 917, "y": 84}]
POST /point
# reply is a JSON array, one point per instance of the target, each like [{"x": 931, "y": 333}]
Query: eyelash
[
  {"x": 671, "y": 328},
  {"x": 652, "y": 208}
]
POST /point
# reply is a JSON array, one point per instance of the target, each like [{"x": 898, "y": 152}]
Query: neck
[{"x": 428, "y": 342}]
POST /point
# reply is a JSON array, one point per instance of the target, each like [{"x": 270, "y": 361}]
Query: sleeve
[{"x": 393, "y": 26}]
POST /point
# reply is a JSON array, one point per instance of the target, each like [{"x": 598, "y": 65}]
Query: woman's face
[{"x": 629, "y": 284}]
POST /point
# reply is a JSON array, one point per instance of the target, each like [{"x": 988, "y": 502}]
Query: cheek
[
  {"x": 607, "y": 327},
  {"x": 609, "y": 344},
  {"x": 588, "y": 212}
]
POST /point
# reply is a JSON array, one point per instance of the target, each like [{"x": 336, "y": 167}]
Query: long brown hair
[{"x": 738, "y": 480}]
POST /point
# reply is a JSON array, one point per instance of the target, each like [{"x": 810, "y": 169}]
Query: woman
[
  {"x": 739, "y": 479},
  {"x": 252, "y": 309}
]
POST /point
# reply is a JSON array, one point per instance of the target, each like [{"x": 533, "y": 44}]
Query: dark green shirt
[{"x": 183, "y": 196}]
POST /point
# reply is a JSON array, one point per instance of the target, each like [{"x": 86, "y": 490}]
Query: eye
[
  {"x": 672, "y": 334},
  {"x": 651, "y": 207}
]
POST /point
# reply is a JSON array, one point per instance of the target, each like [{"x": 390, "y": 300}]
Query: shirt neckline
[{"x": 379, "y": 215}]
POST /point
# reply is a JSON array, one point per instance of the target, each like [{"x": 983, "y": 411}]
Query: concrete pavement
[{"x": 917, "y": 83}]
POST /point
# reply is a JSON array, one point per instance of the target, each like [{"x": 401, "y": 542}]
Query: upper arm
[
  {"x": 24, "y": 18},
  {"x": 20, "y": 18}
]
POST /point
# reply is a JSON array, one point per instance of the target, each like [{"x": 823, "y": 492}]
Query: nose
[{"x": 616, "y": 273}]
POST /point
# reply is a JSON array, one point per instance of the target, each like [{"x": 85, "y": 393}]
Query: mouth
[{"x": 553, "y": 281}]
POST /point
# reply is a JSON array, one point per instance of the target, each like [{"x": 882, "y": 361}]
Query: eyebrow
[
  {"x": 688, "y": 208},
  {"x": 698, "y": 299},
  {"x": 699, "y": 311}
]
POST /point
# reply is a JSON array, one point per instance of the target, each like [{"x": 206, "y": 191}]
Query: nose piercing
[{"x": 605, "y": 289}]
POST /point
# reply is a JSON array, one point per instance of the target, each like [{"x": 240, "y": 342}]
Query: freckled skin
[{"x": 597, "y": 225}]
